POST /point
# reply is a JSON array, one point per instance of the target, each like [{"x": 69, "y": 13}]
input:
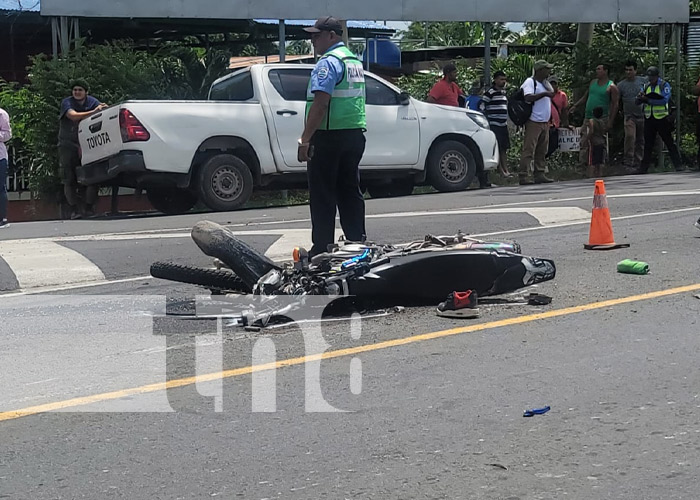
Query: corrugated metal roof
[
  {"x": 693, "y": 44},
  {"x": 366, "y": 25},
  {"x": 21, "y": 5}
]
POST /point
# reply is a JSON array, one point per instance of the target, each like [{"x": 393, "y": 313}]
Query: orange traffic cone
[{"x": 601, "y": 234}]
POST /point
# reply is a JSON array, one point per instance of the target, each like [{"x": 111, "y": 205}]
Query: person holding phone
[{"x": 333, "y": 140}]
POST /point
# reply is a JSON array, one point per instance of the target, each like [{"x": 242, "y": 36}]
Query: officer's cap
[{"x": 328, "y": 23}]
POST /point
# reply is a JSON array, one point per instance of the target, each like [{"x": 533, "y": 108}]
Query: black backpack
[{"x": 519, "y": 110}]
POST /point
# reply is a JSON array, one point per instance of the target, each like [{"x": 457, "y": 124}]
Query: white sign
[
  {"x": 552, "y": 11},
  {"x": 569, "y": 140}
]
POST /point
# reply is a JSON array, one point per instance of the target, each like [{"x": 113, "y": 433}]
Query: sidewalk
[{"x": 22, "y": 208}]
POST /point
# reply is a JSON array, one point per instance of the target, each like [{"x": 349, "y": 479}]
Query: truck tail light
[{"x": 131, "y": 128}]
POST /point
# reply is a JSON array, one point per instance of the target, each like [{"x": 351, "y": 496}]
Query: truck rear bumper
[{"x": 104, "y": 171}]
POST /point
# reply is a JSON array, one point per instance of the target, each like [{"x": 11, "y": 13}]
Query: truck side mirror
[{"x": 404, "y": 98}]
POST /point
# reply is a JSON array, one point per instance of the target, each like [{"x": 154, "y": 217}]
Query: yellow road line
[{"x": 247, "y": 370}]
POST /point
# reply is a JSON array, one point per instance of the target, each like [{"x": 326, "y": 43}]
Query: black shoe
[
  {"x": 542, "y": 179},
  {"x": 4, "y": 224},
  {"x": 76, "y": 215},
  {"x": 697, "y": 223},
  {"x": 639, "y": 171},
  {"x": 486, "y": 186},
  {"x": 524, "y": 181}
]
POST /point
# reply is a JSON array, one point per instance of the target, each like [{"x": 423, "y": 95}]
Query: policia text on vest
[{"x": 333, "y": 139}]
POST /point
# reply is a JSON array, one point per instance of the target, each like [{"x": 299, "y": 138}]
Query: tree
[
  {"x": 447, "y": 34},
  {"x": 298, "y": 48}
]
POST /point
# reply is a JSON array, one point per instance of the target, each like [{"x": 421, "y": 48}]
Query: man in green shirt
[{"x": 601, "y": 92}]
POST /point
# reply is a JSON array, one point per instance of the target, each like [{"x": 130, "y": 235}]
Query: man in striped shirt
[{"x": 494, "y": 105}]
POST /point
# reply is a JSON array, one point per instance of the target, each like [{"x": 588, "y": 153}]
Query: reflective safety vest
[
  {"x": 346, "y": 109},
  {"x": 658, "y": 112}
]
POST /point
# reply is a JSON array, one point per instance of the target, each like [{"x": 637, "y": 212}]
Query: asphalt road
[{"x": 404, "y": 404}]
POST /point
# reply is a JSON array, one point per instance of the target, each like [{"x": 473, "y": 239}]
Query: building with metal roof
[{"x": 25, "y": 32}]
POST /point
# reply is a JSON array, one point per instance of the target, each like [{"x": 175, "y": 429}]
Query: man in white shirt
[{"x": 538, "y": 91}]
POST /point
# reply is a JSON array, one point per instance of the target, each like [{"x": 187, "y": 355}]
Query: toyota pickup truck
[{"x": 244, "y": 137}]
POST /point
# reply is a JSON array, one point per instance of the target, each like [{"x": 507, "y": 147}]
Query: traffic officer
[
  {"x": 333, "y": 140},
  {"x": 655, "y": 96}
]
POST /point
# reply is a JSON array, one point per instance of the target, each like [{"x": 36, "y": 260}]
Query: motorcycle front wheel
[{"x": 220, "y": 279}]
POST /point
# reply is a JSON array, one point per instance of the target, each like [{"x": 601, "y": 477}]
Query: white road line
[
  {"x": 555, "y": 226},
  {"x": 545, "y": 215},
  {"x": 45, "y": 263},
  {"x": 63, "y": 288}
]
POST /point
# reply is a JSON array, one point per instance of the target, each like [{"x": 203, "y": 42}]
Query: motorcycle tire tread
[{"x": 220, "y": 279}]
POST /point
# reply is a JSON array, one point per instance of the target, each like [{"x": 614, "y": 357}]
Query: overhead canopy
[{"x": 567, "y": 11}]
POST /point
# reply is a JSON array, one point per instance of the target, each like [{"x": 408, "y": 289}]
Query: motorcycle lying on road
[{"x": 417, "y": 273}]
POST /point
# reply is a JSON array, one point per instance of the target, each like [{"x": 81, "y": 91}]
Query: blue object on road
[{"x": 536, "y": 411}]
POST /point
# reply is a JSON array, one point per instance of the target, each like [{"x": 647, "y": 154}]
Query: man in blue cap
[{"x": 333, "y": 139}]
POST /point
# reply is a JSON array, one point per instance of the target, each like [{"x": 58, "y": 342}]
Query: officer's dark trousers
[
  {"x": 663, "y": 127},
  {"x": 334, "y": 182}
]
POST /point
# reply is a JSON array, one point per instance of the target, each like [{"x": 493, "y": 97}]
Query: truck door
[{"x": 286, "y": 97}]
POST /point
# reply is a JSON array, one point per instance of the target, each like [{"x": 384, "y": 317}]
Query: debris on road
[
  {"x": 498, "y": 466},
  {"x": 536, "y": 411},
  {"x": 538, "y": 299},
  {"x": 629, "y": 266}
]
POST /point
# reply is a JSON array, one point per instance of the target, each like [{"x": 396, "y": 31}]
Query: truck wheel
[
  {"x": 225, "y": 183},
  {"x": 171, "y": 201},
  {"x": 398, "y": 187},
  {"x": 451, "y": 166}
]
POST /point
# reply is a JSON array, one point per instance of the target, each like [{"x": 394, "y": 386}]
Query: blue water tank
[{"x": 382, "y": 50}]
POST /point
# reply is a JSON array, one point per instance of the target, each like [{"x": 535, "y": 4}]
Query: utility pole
[
  {"x": 487, "y": 54},
  {"x": 585, "y": 33}
]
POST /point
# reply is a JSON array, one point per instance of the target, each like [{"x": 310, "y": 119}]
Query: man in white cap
[{"x": 538, "y": 91}]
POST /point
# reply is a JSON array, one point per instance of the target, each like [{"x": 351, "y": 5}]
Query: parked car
[{"x": 244, "y": 137}]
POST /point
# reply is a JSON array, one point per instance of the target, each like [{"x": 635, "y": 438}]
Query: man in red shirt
[
  {"x": 560, "y": 115},
  {"x": 446, "y": 91}
]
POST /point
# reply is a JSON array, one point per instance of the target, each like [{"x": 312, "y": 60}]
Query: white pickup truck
[{"x": 244, "y": 137}]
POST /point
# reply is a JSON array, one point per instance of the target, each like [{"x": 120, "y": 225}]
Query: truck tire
[
  {"x": 220, "y": 279},
  {"x": 225, "y": 183},
  {"x": 171, "y": 201},
  {"x": 397, "y": 187},
  {"x": 451, "y": 166}
]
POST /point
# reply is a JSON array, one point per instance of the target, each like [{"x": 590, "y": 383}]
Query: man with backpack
[
  {"x": 655, "y": 97},
  {"x": 538, "y": 93}
]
